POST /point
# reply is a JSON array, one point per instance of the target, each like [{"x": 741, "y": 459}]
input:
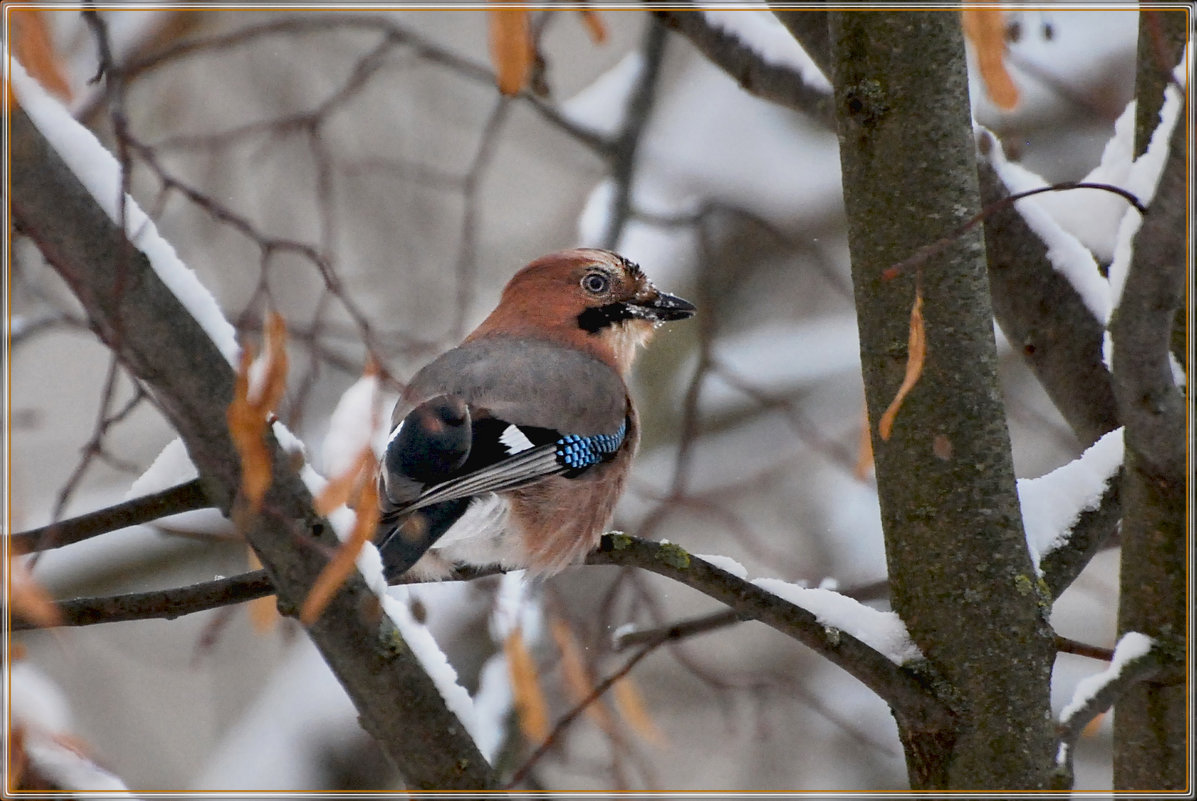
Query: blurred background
[{"x": 359, "y": 172}]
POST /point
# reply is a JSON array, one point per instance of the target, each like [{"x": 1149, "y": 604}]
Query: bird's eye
[{"x": 596, "y": 283}]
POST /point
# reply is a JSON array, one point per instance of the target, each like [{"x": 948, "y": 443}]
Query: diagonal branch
[
  {"x": 160, "y": 343},
  {"x": 185, "y": 497},
  {"x": 908, "y": 693},
  {"x": 1041, "y": 313},
  {"x": 1092, "y": 530},
  {"x": 759, "y": 77}
]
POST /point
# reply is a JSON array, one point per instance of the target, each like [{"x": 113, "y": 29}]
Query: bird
[{"x": 513, "y": 448}]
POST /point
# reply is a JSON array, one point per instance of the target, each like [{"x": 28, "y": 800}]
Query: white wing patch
[
  {"x": 394, "y": 433},
  {"x": 514, "y": 440}
]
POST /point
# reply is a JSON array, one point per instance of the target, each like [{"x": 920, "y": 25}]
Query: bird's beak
[{"x": 665, "y": 308}]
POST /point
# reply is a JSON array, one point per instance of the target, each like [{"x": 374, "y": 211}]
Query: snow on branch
[
  {"x": 882, "y": 631},
  {"x": 100, "y": 174},
  {"x": 1052, "y": 504},
  {"x": 871, "y": 645},
  {"x": 1067, "y": 255},
  {"x": 763, "y": 34},
  {"x": 1143, "y": 177},
  {"x": 752, "y": 47},
  {"x": 1135, "y": 659}
]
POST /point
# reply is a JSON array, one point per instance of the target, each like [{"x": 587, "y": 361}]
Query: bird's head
[{"x": 586, "y": 298}]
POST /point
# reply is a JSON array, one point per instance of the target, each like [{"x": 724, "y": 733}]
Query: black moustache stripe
[{"x": 596, "y": 318}]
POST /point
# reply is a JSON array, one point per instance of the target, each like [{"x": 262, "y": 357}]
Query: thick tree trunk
[{"x": 958, "y": 563}]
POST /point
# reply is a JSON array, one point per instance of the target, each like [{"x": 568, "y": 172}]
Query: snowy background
[{"x": 375, "y": 149}]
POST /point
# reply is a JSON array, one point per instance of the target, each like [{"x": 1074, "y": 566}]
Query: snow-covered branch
[
  {"x": 755, "y": 50},
  {"x": 907, "y": 694},
  {"x": 1042, "y": 312},
  {"x": 1135, "y": 659},
  {"x": 1052, "y": 505},
  {"x": 145, "y": 323}
]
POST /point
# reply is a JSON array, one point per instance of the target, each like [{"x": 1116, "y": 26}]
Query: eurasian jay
[{"x": 513, "y": 447}]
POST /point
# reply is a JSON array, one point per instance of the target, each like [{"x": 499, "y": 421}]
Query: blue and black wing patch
[
  {"x": 568, "y": 455},
  {"x": 444, "y": 456}
]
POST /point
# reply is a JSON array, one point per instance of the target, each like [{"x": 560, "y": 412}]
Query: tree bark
[
  {"x": 164, "y": 347},
  {"x": 1150, "y": 734},
  {"x": 958, "y": 563}
]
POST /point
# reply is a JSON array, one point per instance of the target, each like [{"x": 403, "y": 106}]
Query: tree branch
[
  {"x": 622, "y": 157},
  {"x": 1092, "y": 530},
  {"x": 1116, "y": 680},
  {"x": 161, "y": 344},
  {"x": 810, "y": 28},
  {"x": 161, "y": 604},
  {"x": 1041, "y": 313},
  {"x": 200, "y": 597},
  {"x": 185, "y": 497},
  {"x": 907, "y": 692},
  {"x": 1150, "y": 722},
  {"x": 773, "y": 82}
]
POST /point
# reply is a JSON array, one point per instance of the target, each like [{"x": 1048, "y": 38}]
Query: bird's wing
[{"x": 504, "y": 457}]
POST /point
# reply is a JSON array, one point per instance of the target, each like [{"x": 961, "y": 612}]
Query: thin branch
[
  {"x": 939, "y": 245},
  {"x": 162, "y": 604},
  {"x": 757, "y": 76},
  {"x": 578, "y": 709},
  {"x": 635, "y": 121},
  {"x": 680, "y": 630},
  {"x": 184, "y": 497},
  {"x": 1067, "y": 645},
  {"x": 200, "y": 597}
]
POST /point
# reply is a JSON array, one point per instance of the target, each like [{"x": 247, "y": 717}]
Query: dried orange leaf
[
  {"x": 341, "y": 489},
  {"x": 246, "y": 426},
  {"x": 594, "y": 25},
  {"x": 986, "y": 29},
  {"x": 916, "y": 354},
  {"x": 631, "y": 708},
  {"x": 577, "y": 677},
  {"x": 274, "y": 380},
  {"x": 511, "y": 48},
  {"x": 250, "y": 405},
  {"x": 530, "y": 706},
  {"x": 34, "y": 48},
  {"x": 342, "y": 564}
]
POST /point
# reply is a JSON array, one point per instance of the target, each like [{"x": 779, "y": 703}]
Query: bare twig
[
  {"x": 1067, "y": 645},
  {"x": 938, "y": 246},
  {"x": 563, "y": 723},
  {"x": 622, "y": 160},
  {"x": 179, "y": 498}
]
